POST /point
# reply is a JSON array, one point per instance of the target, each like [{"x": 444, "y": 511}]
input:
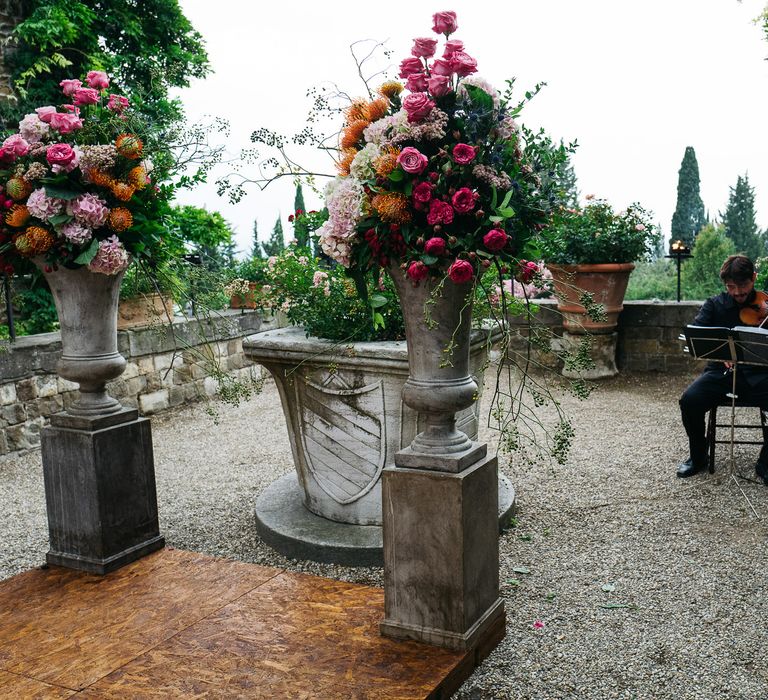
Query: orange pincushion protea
[
  {"x": 123, "y": 191},
  {"x": 100, "y": 178},
  {"x": 391, "y": 89},
  {"x": 138, "y": 177},
  {"x": 129, "y": 146},
  {"x": 36, "y": 240},
  {"x": 392, "y": 207},
  {"x": 353, "y": 133},
  {"x": 355, "y": 111},
  {"x": 18, "y": 188},
  {"x": 386, "y": 162},
  {"x": 348, "y": 155},
  {"x": 17, "y": 216},
  {"x": 376, "y": 109},
  {"x": 119, "y": 219}
]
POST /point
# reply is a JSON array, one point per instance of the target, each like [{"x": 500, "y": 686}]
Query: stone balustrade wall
[{"x": 167, "y": 366}]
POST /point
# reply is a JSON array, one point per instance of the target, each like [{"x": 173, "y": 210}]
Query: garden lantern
[{"x": 678, "y": 251}]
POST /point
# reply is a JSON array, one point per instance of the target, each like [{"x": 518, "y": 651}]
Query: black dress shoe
[
  {"x": 689, "y": 468},
  {"x": 762, "y": 471}
]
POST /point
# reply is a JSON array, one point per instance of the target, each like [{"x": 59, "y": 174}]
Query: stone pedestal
[
  {"x": 441, "y": 556},
  {"x": 100, "y": 491},
  {"x": 602, "y": 351}
]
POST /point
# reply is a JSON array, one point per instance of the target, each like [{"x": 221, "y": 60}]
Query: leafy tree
[
  {"x": 700, "y": 275},
  {"x": 205, "y": 233},
  {"x": 276, "y": 243},
  {"x": 653, "y": 280},
  {"x": 689, "y": 217},
  {"x": 146, "y": 48},
  {"x": 739, "y": 219},
  {"x": 565, "y": 176},
  {"x": 256, "y": 251}
]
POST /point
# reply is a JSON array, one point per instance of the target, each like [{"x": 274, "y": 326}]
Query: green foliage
[
  {"x": 147, "y": 48},
  {"x": 253, "y": 270},
  {"x": 276, "y": 243},
  {"x": 34, "y": 309},
  {"x": 595, "y": 234},
  {"x": 739, "y": 220},
  {"x": 653, "y": 280},
  {"x": 141, "y": 279},
  {"x": 202, "y": 232},
  {"x": 701, "y": 273},
  {"x": 256, "y": 251},
  {"x": 689, "y": 217},
  {"x": 305, "y": 224}
]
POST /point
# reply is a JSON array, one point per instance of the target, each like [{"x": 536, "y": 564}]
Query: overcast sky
[{"x": 634, "y": 83}]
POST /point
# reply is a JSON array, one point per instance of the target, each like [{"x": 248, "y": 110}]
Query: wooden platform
[{"x": 184, "y": 625}]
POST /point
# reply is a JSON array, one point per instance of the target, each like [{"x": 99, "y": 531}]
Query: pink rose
[
  {"x": 60, "y": 154},
  {"x": 417, "y": 271},
  {"x": 439, "y": 85},
  {"x": 412, "y": 161},
  {"x": 463, "y": 64},
  {"x": 464, "y": 200},
  {"x": 85, "y": 96},
  {"x": 452, "y": 45},
  {"x": 441, "y": 67},
  {"x": 97, "y": 79},
  {"x": 444, "y": 23},
  {"x": 424, "y": 48},
  {"x": 439, "y": 212},
  {"x": 71, "y": 108},
  {"x": 68, "y": 87},
  {"x": 117, "y": 103},
  {"x": 65, "y": 123},
  {"x": 435, "y": 246},
  {"x": 409, "y": 66},
  {"x": 527, "y": 270},
  {"x": 44, "y": 114},
  {"x": 417, "y": 82},
  {"x": 495, "y": 240},
  {"x": 461, "y": 272},
  {"x": 422, "y": 193},
  {"x": 463, "y": 153},
  {"x": 16, "y": 145},
  {"x": 418, "y": 106}
]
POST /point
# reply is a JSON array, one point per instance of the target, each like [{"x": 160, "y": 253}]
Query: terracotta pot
[
  {"x": 606, "y": 282},
  {"x": 247, "y": 301},
  {"x": 144, "y": 310},
  {"x": 86, "y": 303}
]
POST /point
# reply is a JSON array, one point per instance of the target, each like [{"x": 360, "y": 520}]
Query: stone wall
[
  {"x": 647, "y": 334},
  {"x": 11, "y": 13},
  {"x": 167, "y": 366}
]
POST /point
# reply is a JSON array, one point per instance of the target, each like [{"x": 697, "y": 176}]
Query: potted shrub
[{"x": 245, "y": 286}]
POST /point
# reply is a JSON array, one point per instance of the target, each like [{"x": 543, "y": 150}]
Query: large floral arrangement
[
  {"x": 595, "y": 233},
  {"x": 440, "y": 179},
  {"x": 77, "y": 185}
]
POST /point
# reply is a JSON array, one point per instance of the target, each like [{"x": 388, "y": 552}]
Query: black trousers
[{"x": 707, "y": 391}]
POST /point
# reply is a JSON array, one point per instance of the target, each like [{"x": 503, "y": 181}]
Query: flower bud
[
  {"x": 472, "y": 255},
  {"x": 433, "y": 176},
  {"x": 419, "y": 242},
  {"x": 452, "y": 240},
  {"x": 437, "y": 228},
  {"x": 485, "y": 263},
  {"x": 479, "y": 214}
]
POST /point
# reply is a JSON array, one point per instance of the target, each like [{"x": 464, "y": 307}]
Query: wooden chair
[{"x": 713, "y": 425}]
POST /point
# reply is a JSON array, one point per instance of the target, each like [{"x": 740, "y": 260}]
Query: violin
[{"x": 750, "y": 314}]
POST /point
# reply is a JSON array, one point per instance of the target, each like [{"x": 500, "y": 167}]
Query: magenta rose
[
  {"x": 68, "y": 87},
  {"x": 60, "y": 154},
  {"x": 418, "y": 106},
  {"x": 435, "y": 246},
  {"x": 16, "y": 145},
  {"x": 117, "y": 103},
  {"x": 417, "y": 82},
  {"x": 451, "y": 46},
  {"x": 97, "y": 79},
  {"x": 409, "y": 66},
  {"x": 439, "y": 85},
  {"x": 461, "y": 272},
  {"x": 424, "y": 48},
  {"x": 528, "y": 270},
  {"x": 439, "y": 212},
  {"x": 422, "y": 193},
  {"x": 44, "y": 114},
  {"x": 65, "y": 123},
  {"x": 464, "y": 200},
  {"x": 463, "y": 64},
  {"x": 85, "y": 96},
  {"x": 441, "y": 67},
  {"x": 412, "y": 161},
  {"x": 444, "y": 23},
  {"x": 495, "y": 240},
  {"x": 463, "y": 153},
  {"x": 417, "y": 271}
]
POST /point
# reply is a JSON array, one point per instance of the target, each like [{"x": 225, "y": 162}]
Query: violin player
[{"x": 739, "y": 305}]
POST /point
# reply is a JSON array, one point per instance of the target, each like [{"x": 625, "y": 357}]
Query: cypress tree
[
  {"x": 739, "y": 219},
  {"x": 256, "y": 250},
  {"x": 298, "y": 201},
  {"x": 689, "y": 217},
  {"x": 276, "y": 243}
]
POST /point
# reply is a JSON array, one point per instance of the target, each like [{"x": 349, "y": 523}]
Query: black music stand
[{"x": 742, "y": 345}]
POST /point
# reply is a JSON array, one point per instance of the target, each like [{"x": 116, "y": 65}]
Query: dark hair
[{"x": 737, "y": 268}]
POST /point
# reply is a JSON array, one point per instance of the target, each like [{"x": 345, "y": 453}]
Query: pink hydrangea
[
  {"x": 111, "y": 257},
  {"x": 344, "y": 197},
  {"x": 89, "y": 209},
  {"x": 33, "y": 129},
  {"x": 42, "y": 206},
  {"x": 75, "y": 232}
]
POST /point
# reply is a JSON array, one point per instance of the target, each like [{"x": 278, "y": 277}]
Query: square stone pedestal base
[
  {"x": 441, "y": 556},
  {"x": 100, "y": 491}
]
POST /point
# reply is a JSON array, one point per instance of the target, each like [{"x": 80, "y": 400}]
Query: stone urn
[{"x": 608, "y": 284}]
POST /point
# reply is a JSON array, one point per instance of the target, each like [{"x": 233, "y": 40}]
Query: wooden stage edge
[{"x": 179, "y": 624}]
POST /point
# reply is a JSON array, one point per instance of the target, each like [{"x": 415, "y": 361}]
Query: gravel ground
[{"x": 631, "y": 583}]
